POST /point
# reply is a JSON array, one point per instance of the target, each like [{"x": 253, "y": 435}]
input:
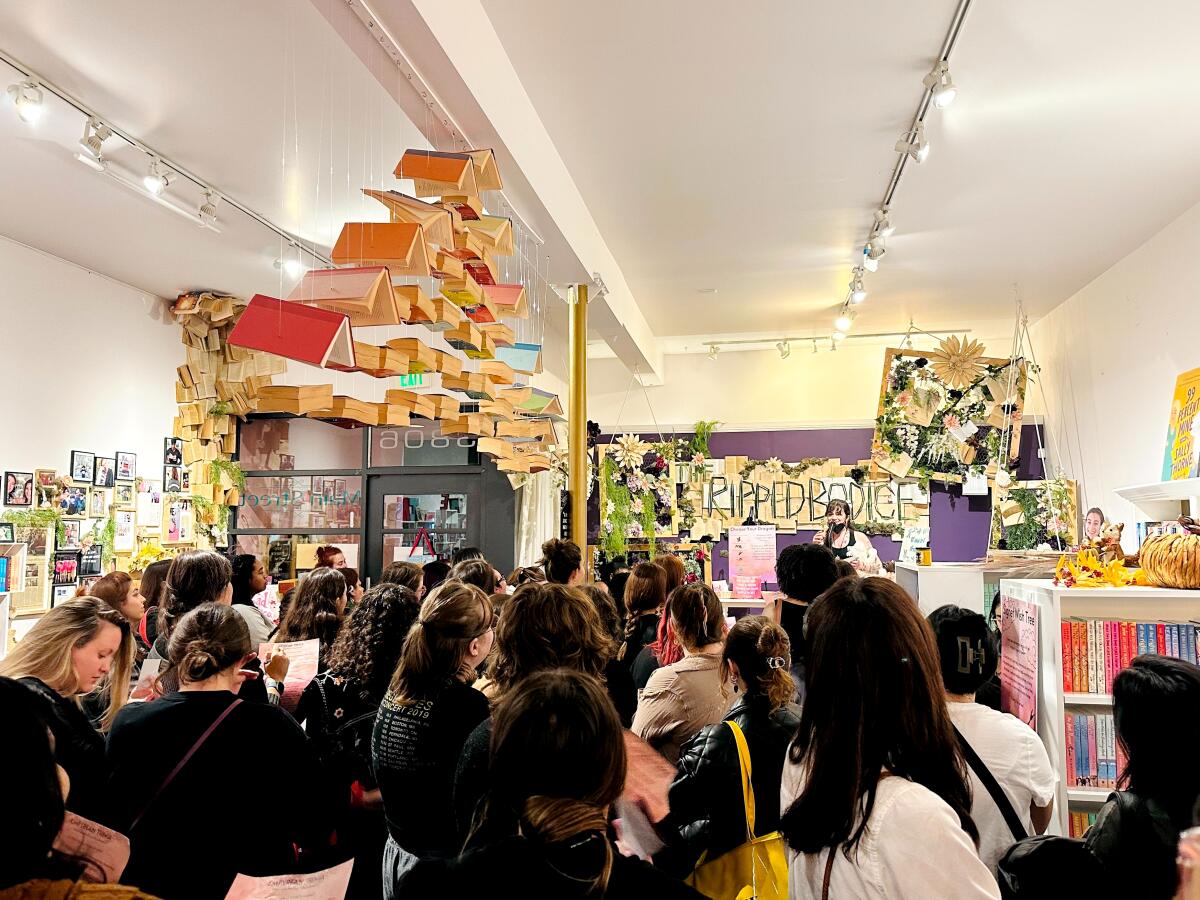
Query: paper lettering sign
[
  {"x": 1019, "y": 659},
  {"x": 1180, "y": 459}
]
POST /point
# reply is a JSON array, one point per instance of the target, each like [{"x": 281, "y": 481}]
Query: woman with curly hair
[
  {"x": 544, "y": 626},
  {"x": 338, "y": 710}
]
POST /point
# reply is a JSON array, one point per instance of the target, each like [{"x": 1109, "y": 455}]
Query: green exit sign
[{"x": 412, "y": 381}]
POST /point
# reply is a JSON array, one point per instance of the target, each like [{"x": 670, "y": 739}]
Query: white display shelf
[
  {"x": 1161, "y": 500},
  {"x": 1088, "y": 699},
  {"x": 1055, "y": 604},
  {"x": 16, "y": 567}
]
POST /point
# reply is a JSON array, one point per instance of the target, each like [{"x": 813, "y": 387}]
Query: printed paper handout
[
  {"x": 1019, "y": 659},
  {"x": 304, "y": 659},
  {"x": 102, "y": 851},
  {"x": 328, "y": 884}
]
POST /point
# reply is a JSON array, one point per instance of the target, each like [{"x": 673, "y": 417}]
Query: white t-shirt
[
  {"x": 913, "y": 846},
  {"x": 1016, "y": 757}
]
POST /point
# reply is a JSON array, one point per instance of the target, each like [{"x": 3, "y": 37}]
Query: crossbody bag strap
[
  {"x": 828, "y": 873},
  {"x": 993, "y": 787},
  {"x": 747, "y": 784},
  {"x": 183, "y": 762}
]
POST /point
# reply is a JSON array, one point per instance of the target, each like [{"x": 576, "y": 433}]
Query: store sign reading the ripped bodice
[{"x": 798, "y": 500}]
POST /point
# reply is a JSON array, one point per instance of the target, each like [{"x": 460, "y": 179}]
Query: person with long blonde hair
[
  {"x": 424, "y": 720},
  {"x": 80, "y": 646}
]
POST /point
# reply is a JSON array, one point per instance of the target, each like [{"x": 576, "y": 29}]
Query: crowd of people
[{"x": 469, "y": 730}]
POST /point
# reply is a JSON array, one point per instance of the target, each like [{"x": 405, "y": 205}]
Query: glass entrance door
[{"x": 446, "y": 509}]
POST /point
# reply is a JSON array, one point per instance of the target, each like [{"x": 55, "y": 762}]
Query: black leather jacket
[{"x": 707, "y": 810}]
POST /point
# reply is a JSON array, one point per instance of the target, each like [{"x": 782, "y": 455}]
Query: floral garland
[
  {"x": 639, "y": 494},
  {"x": 775, "y": 466}
]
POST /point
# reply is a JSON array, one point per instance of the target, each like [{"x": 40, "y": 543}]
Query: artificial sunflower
[
  {"x": 958, "y": 362},
  {"x": 629, "y": 451}
]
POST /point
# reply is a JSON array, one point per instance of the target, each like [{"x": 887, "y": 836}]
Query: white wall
[
  {"x": 1110, "y": 355},
  {"x": 87, "y": 364}
]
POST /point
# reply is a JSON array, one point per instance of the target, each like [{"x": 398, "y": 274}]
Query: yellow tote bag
[{"x": 756, "y": 870}]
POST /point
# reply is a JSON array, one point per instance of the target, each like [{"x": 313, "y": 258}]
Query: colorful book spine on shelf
[
  {"x": 1080, "y": 822},
  {"x": 1095, "y": 650},
  {"x": 3, "y": 574},
  {"x": 1069, "y": 731},
  {"x": 1094, "y": 758}
]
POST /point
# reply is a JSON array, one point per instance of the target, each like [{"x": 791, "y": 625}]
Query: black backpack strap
[{"x": 993, "y": 787}]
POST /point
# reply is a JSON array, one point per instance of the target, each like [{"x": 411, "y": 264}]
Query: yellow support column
[{"x": 577, "y": 467}]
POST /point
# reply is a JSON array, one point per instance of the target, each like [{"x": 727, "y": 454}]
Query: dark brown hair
[
  {"x": 368, "y": 646},
  {"x": 195, "y": 577},
  {"x": 351, "y": 576},
  {"x": 207, "y": 641},
  {"x": 673, "y": 566},
  {"x": 478, "y": 572},
  {"x": 762, "y": 653},
  {"x": 405, "y": 574},
  {"x": 645, "y": 593},
  {"x": 548, "y": 626},
  {"x": 697, "y": 616},
  {"x": 558, "y": 761},
  {"x": 313, "y": 612},
  {"x": 605, "y": 607},
  {"x": 524, "y": 575},
  {"x": 436, "y": 647},
  {"x": 151, "y": 584},
  {"x": 560, "y": 560},
  {"x": 845, "y": 569},
  {"x": 326, "y": 554},
  {"x": 874, "y": 703},
  {"x": 113, "y": 589}
]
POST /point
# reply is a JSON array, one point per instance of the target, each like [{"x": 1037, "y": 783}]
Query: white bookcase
[
  {"x": 15, "y": 553},
  {"x": 1138, "y": 604}
]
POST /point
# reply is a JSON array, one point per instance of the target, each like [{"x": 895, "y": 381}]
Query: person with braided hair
[
  {"x": 557, "y": 765},
  {"x": 200, "y": 782},
  {"x": 683, "y": 697},
  {"x": 707, "y": 814},
  {"x": 645, "y": 594}
]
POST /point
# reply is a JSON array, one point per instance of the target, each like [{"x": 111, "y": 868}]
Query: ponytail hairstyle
[
  {"x": 697, "y": 616},
  {"x": 436, "y": 648},
  {"x": 45, "y": 652},
  {"x": 313, "y": 612},
  {"x": 561, "y": 560},
  {"x": 558, "y": 715},
  {"x": 478, "y": 572},
  {"x": 207, "y": 641},
  {"x": 195, "y": 577},
  {"x": 645, "y": 594},
  {"x": 761, "y": 651}
]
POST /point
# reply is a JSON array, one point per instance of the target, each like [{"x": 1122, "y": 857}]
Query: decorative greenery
[
  {"x": 703, "y": 430},
  {"x": 211, "y": 517},
  {"x": 1047, "y": 510},
  {"x": 649, "y": 520},
  {"x": 104, "y": 535},
  {"x": 687, "y": 512},
  {"x": 882, "y": 528},
  {"x": 228, "y": 467},
  {"x": 1029, "y": 534},
  {"x": 790, "y": 469},
  {"x": 614, "y": 536},
  {"x": 220, "y": 408},
  {"x": 44, "y": 517}
]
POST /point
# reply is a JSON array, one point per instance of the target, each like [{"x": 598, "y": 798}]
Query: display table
[
  {"x": 971, "y": 585},
  {"x": 1054, "y": 604}
]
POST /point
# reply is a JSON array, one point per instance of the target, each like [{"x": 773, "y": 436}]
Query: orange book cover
[
  {"x": 509, "y": 299},
  {"x": 435, "y": 173},
  {"x": 398, "y": 245}
]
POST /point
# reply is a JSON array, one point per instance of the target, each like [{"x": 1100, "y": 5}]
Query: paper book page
[
  {"x": 648, "y": 778},
  {"x": 305, "y": 661},
  {"x": 328, "y": 884}
]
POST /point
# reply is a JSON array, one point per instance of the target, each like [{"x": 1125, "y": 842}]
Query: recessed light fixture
[{"x": 27, "y": 98}]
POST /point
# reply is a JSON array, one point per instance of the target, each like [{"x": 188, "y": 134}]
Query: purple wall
[{"x": 959, "y": 527}]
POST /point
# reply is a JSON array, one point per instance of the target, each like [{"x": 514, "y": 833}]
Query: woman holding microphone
[{"x": 846, "y": 543}]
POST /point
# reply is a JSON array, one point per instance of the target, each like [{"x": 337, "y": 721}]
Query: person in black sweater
[
  {"x": 80, "y": 646},
  {"x": 645, "y": 594},
  {"x": 179, "y": 806},
  {"x": 338, "y": 710},
  {"x": 804, "y": 572},
  {"x": 707, "y": 813},
  {"x": 558, "y": 764},
  {"x": 617, "y": 678},
  {"x": 544, "y": 626},
  {"x": 429, "y": 710}
]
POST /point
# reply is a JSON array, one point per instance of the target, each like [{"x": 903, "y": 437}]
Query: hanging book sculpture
[
  {"x": 294, "y": 331},
  {"x": 398, "y": 245},
  {"x": 363, "y": 293}
]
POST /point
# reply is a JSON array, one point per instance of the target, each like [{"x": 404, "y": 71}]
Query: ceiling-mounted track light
[
  {"x": 873, "y": 252},
  {"x": 27, "y": 98},
  {"x": 292, "y": 268},
  {"x": 713, "y": 350},
  {"x": 784, "y": 348},
  {"x": 843, "y": 322},
  {"x": 941, "y": 84},
  {"x": 95, "y": 133},
  {"x": 883, "y": 224},
  {"x": 858, "y": 291},
  {"x": 208, "y": 209},
  {"x": 156, "y": 180},
  {"x": 914, "y": 143}
]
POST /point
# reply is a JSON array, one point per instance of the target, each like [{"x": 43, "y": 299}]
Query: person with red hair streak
[{"x": 331, "y": 556}]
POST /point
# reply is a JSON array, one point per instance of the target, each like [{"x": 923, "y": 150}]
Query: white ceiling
[{"x": 746, "y": 151}]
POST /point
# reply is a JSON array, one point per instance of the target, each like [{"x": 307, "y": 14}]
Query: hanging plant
[
  {"x": 618, "y": 512},
  {"x": 104, "y": 534},
  {"x": 775, "y": 467},
  {"x": 230, "y": 469},
  {"x": 41, "y": 518},
  {"x": 703, "y": 430}
]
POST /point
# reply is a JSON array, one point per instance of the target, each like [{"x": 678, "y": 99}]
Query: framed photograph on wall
[
  {"x": 83, "y": 466},
  {"x": 63, "y": 592},
  {"x": 126, "y": 466},
  {"x": 45, "y": 477},
  {"x": 106, "y": 471},
  {"x": 125, "y": 532},
  {"x": 73, "y": 502},
  {"x": 123, "y": 495},
  {"x": 287, "y": 462},
  {"x": 172, "y": 451},
  {"x": 178, "y": 525},
  {"x": 185, "y": 479},
  {"x": 18, "y": 489},
  {"x": 71, "y": 534},
  {"x": 98, "y": 503},
  {"x": 7, "y": 533},
  {"x": 172, "y": 479}
]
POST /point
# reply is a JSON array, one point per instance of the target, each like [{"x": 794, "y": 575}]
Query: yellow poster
[{"x": 1183, "y": 432}]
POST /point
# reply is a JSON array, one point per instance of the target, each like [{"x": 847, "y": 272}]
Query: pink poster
[
  {"x": 1019, "y": 659},
  {"x": 751, "y": 559}
]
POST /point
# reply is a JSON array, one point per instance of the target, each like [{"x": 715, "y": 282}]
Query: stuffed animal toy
[{"x": 1109, "y": 543}]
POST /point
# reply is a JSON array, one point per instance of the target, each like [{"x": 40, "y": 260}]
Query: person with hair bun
[
  {"x": 197, "y": 786},
  {"x": 707, "y": 814},
  {"x": 683, "y": 697},
  {"x": 424, "y": 720},
  {"x": 558, "y": 764},
  {"x": 79, "y": 646},
  {"x": 1011, "y": 750},
  {"x": 562, "y": 561},
  {"x": 331, "y": 557}
]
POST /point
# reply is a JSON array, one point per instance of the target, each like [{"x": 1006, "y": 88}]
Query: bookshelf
[
  {"x": 1054, "y": 604},
  {"x": 14, "y": 583},
  {"x": 1161, "y": 500}
]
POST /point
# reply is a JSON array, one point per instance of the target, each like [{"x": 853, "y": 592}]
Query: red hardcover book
[
  {"x": 1068, "y": 669},
  {"x": 1070, "y": 733},
  {"x": 1160, "y": 631},
  {"x": 304, "y": 333}
]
